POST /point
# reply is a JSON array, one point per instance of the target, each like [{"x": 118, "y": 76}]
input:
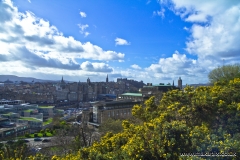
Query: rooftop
[
  {"x": 3, "y": 119},
  {"x": 119, "y": 102},
  {"x": 160, "y": 85},
  {"x": 132, "y": 94}
]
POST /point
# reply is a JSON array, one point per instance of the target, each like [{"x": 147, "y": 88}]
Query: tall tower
[
  {"x": 173, "y": 83},
  {"x": 180, "y": 83},
  {"x": 62, "y": 83},
  {"x": 88, "y": 81},
  {"x": 107, "y": 78}
]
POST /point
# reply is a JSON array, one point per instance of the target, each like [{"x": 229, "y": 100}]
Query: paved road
[{"x": 35, "y": 144}]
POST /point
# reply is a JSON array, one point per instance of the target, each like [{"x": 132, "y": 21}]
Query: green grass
[
  {"x": 49, "y": 120},
  {"x": 55, "y": 148},
  {"x": 45, "y": 106},
  {"x": 30, "y": 119},
  {"x": 7, "y": 114},
  {"x": 29, "y": 110}
]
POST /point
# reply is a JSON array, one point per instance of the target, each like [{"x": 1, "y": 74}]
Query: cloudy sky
[{"x": 155, "y": 41}]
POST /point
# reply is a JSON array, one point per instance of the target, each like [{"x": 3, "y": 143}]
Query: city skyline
[{"x": 149, "y": 40}]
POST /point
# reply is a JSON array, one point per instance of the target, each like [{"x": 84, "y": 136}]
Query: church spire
[
  {"x": 107, "y": 78},
  {"x": 88, "y": 81}
]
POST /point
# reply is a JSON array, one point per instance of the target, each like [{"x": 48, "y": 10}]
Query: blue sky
[{"x": 149, "y": 40}]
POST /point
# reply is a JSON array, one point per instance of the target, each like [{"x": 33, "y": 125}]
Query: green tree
[
  {"x": 15, "y": 150},
  {"x": 111, "y": 125},
  {"x": 224, "y": 73},
  {"x": 27, "y": 135}
]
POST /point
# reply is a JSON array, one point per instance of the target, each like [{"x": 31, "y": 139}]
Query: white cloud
[
  {"x": 135, "y": 66},
  {"x": 29, "y": 43},
  {"x": 96, "y": 53},
  {"x": 159, "y": 13},
  {"x": 185, "y": 28},
  {"x": 216, "y": 27},
  {"x": 178, "y": 64},
  {"x": 83, "y": 14},
  {"x": 29, "y": 1},
  {"x": 219, "y": 39},
  {"x": 86, "y": 34},
  {"x": 83, "y": 27},
  {"x": 96, "y": 67},
  {"x": 170, "y": 68},
  {"x": 120, "y": 41}
]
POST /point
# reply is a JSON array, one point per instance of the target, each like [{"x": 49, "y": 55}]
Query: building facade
[{"x": 101, "y": 111}]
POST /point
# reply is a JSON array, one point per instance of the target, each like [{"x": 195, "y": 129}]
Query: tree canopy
[{"x": 224, "y": 73}]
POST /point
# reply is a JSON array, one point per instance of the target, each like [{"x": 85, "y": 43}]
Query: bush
[
  {"x": 27, "y": 135},
  {"x": 35, "y": 135}
]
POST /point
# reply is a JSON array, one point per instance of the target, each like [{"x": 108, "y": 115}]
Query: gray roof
[{"x": 132, "y": 94}]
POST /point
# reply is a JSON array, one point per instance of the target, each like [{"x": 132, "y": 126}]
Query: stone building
[{"x": 101, "y": 111}]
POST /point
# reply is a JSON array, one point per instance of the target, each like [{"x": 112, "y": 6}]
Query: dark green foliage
[
  {"x": 224, "y": 73},
  {"x": 111, "y": 125}
]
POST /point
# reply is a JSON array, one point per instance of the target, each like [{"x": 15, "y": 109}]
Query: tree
[
  {"x": 15, "y": 150},
  {"x": 111, "y": 125},
  {"x": 224, "y": 73},
  {"x": 27, "y": 135},
  {"x": 35, "y": 134}
]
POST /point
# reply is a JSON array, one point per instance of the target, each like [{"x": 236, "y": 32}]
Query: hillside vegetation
[
  {"x": 194, "y": 120},
  {"x": 202, "y": 120}
]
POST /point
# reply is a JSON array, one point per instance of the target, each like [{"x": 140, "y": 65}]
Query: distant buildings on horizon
[{"x": 24, "y": 80}]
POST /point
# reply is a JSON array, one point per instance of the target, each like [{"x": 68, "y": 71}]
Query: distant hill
[{"x": 16, "y": 79}]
